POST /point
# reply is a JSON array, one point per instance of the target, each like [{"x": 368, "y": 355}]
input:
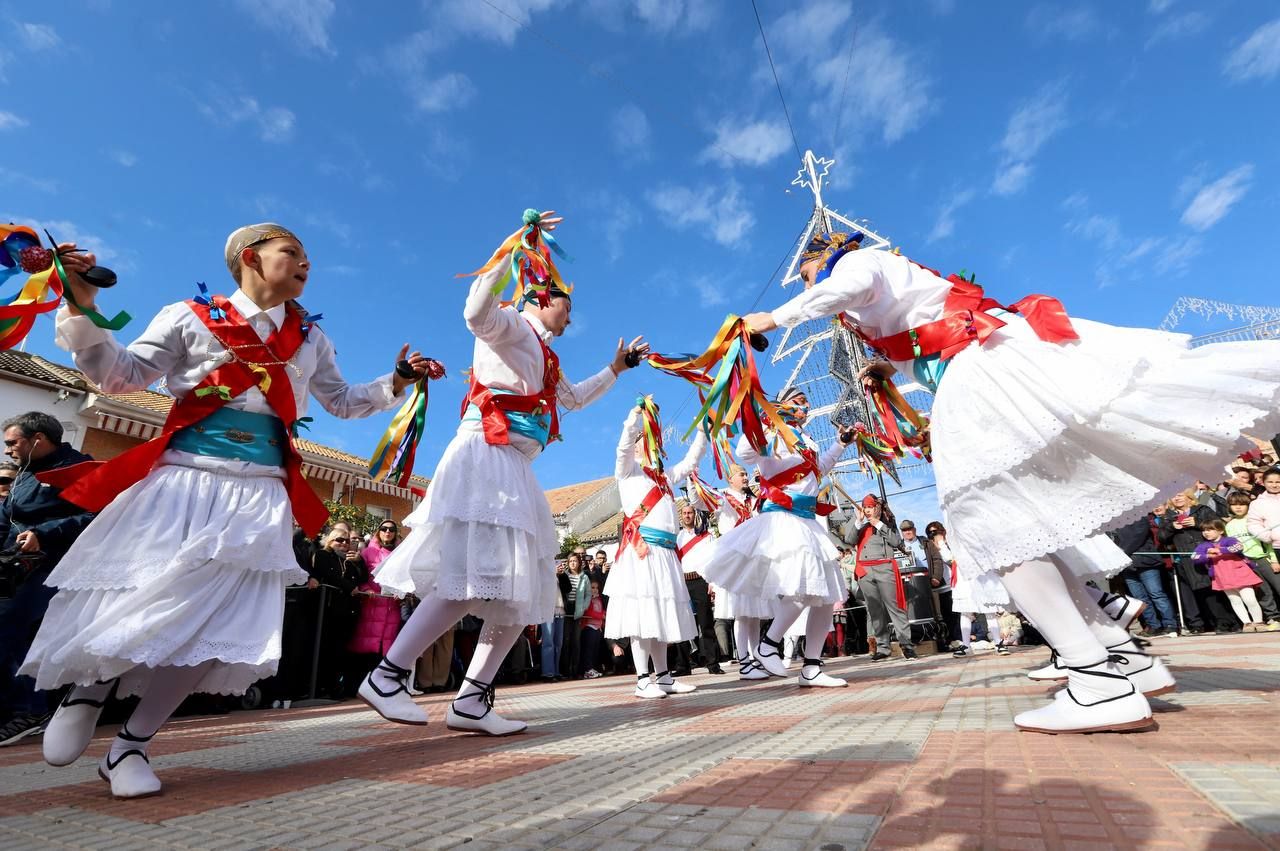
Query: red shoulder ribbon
[
  {"x": 965, "y": 320},
  {"x": 740, "y": 508},
  {"x": 493, "y": 407},
  {"x": 774, "y": 488},
  {"x": 681, "y": 552},
  {"x": 631, "y": 524},
  {"x": 93, "y": 485}
]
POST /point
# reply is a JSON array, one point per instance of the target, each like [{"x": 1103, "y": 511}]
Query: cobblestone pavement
[{"x": 919, "y": 754}]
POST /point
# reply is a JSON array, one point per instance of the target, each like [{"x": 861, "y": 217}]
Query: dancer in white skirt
[
  {"x": 784, "y": 554},
  {"x": 483, "y": 540},
  {"x": 1047, "y": 431},
  {"x": 648, "y": 599},
  {"x": 178, "y": 585},
  {"x": 978, "y": 594},
  {"x": 747, "y": 609}
]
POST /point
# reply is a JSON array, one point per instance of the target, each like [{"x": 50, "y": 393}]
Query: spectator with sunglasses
[
  {"x": 378, "y": 621},
  {"x": 8, "y": 472},
  {"x": 341, "y": 571}
]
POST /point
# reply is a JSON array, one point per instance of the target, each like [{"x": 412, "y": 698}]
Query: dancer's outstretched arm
[
  {"x": 626, "y": 464},
  {"x": 853, "y": 283},
  {"x": 571, "y": 397},
  {"x": 690, "y": 462}
]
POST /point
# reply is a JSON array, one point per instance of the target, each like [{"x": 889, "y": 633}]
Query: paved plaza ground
[{"x": 912, "y": 754}]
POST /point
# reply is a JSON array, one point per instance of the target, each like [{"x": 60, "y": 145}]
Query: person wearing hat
[
  {"x": 877, "y": 543},
  {"x": 649, "y": 600},
  {"x": 178, "y": 585},
  {"x": 483, "y": 542},
  {"x": 738, "y": 504},
  {"x": 784, "y": 554},
  {"x": 1046, "y": 430},
  {"x": 694, "y": 545}
]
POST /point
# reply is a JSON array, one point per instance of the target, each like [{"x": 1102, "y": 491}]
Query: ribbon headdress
[
  {"x": 528, "y": 253},
  {"x": 830, "y": 247}
]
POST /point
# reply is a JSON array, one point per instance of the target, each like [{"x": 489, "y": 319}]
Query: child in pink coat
[{"x": 1231, "y": 572}]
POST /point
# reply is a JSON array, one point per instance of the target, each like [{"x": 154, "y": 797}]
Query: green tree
[
  {"x": 569, "y": 544},
  {"x": 356, "y": 517}
]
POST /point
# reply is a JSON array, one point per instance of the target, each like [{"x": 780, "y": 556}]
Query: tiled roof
[
  {"x": 562, "y": 499},
  {"x": 609, "y": 530},
  {"x": 33, "y": 366}
]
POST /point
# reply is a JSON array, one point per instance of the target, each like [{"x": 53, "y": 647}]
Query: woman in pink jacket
[{"x": 379, "y": 622}]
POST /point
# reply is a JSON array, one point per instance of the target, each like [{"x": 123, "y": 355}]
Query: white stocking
[
  {"x": 1250, "y": 598},
  {"x": 1086, "y": 597},
  {"x": 658, "y": 653},
  {"x": 640, "y": 655},
  {"x": 169, "y": 686},
  {"x": 818, "y": 626},
  {"x": 966, "y": 628},
  {"x": 993, "y": 629},
  {"x": 1039, "y": 590},
  {"x": 785, "y": 613},
  {"x": 427, "y": 623},
  {"x": 746, "y": 635},
  {"x": 495, "y": 642}
]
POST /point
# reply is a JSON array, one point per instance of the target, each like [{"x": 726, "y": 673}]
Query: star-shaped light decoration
[{"x": 813, "y": 171}]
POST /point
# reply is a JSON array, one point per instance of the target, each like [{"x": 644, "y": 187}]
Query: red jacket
[{"x": 379, "y": 621}]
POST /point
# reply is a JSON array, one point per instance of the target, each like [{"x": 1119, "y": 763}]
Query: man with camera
[{"x": 36, "y": 528}]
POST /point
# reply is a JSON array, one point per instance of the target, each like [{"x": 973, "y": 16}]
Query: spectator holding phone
[{"x": 1180, "y": 531}]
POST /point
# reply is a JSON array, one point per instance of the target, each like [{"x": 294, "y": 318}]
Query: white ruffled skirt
[
  {"x": 648, "y": 598},
  {"x": 484, "y": 533},
  {"x": 778, "y": 554},
  {"x": 981, "y": 594},
  {"x": 1039, "y": 447},
  {"x": 188, "y": 565}
]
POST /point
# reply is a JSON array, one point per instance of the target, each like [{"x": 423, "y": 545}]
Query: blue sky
[{"x": 1117, "y": 155}]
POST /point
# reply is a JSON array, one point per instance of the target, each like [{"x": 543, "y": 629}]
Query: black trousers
[
  {"x": 591, "y": 640},
  {"x": 571, "y": 650},
  {"x": 703, "y": 613},
  {"x": 950, "y": 620}
]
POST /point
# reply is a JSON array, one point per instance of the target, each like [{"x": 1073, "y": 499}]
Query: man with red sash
[
  {"x": 178, "y": 585},
  {"x": 694, "y": 545},
  {"x": 784, "y": 554},
  {"x": 1034, "y": 414},
  {"x": 483, "y": 542},
  {"x": 876, "y": 544}
]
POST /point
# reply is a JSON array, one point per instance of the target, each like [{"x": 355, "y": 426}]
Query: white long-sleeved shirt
[
  {"x": 882, "y": 292},
  {"x": 507, "y": 356},
  {"x": 634, "y": 485},
  {"x": 178, "y": 347},
  {"x": 782, "y": 458},
  {"x": 726, "y": 516}
]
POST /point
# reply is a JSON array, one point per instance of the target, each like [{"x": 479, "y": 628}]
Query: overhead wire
[
  {"x": 769, "y": 53},
  {"x": 844, "y": 90}
]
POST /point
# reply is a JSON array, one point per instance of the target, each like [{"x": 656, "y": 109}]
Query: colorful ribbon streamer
[
  {"x": 652, "y": 451},
  {"x": 733, "y": 396},
  {"x": 699, "y": 491},
  {"x": 42, "y": 292},
  {"x": 393, "y": 458},
  {"x": 527, "y": 253},
  {"x": 902, "y": 427}
]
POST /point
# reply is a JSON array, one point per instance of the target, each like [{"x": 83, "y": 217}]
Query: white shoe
[
  {"x": 413, "y": 690},
  {"x": 487, "y": 721},
  {"x": 130, "y": 773},
  {"x": 749, "y": 669},
  {"x": 1147, "y": 672},
  {"x": 769, "y": 657},
  {"x": 393, "y": 704},
  {"x": 671, "y": 685},
  {"x": 649, "y": 690},
  {"x": 71, "y": 728},
  {"x": 1121, "y": 609},
  {"x": 1099, "y": 698},
  {"x": 811, "y": 676},
  {"x": 1052, "y": 671}
]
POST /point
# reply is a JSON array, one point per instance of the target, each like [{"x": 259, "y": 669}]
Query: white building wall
[{"x": 19, "y": 398}]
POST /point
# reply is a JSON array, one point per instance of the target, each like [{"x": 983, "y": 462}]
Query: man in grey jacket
[{"x": 876, "y": 542}]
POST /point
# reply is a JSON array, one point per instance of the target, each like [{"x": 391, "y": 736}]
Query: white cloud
[
  {"x": 473, "y": 18},
  {"x": 38, "y": 36},
  {"x": 1159, "y": 7},
  {"x": 1214, "y": 201},
  {"x": 446, "y": 156},
  {"x": 668, "y": 16},
  {"x": 1102, "y": 230},
  {"x": 9, "y": 121},
  {"x": 273, "y": 123},
  {"x": 945, "y": 225},
  {"x": 630, "y": 131},
  {"x": 42, "y": 185},
  {"x": 889, "y": 88},
  {"x": 67, "y": 231},
  {"x": 444, "y": 93},
  {"x": 1031, "y": 125},
  {"x": 1258, "y": 57},
  {"x": 1121, "y": 258},
  {"x": 753, "y": 143},
  {"x": 1012, "y": 178},
  {"x": 710, "y": 292},
  {"x": 720, "y": 209},
  {"x": 1175, "y": 256},
  {"x": 306, "y": 21},
  {"x": 128, "y": 159},
  {"x": 1054, "y": 21},
  {"x": 1178, "y": 26}
]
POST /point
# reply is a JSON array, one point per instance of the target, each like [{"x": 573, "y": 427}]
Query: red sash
[
  {"x": 742, "y": 509},
  {"x": 774, "y": 488},
  {"x": 681, "y": 552},
  {"x": 94, "y": 484},
  {"x": 631, "y": 524},
  {"x": 860, "y": 567},
  {"x": 965, "y": 320},
  {"x": 493, "y": 407}
]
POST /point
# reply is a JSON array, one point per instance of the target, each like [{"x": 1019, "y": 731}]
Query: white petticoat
[
  {"x": 728, "y": 605},
  {"x": 778, "y": 554},
  {"x": 484, "y": 533},
  {"x": 648, "y": 597},
  {"x": 981, "y": 594},
  {"x": 188, "y": 565},
  {"x": 1038, "y": 447}
]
